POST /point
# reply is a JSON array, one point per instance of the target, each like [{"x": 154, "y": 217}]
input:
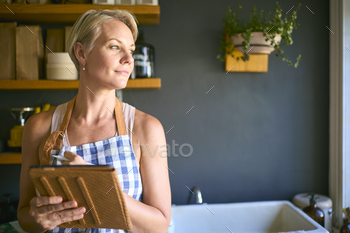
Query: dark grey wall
[{"x": 255, "y": 136}]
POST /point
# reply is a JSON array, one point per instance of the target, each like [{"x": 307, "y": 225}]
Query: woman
[{"x": 101, "y": 46}]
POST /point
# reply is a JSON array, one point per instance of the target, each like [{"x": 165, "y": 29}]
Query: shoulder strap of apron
[
  {"x": 55, "y": 139},
  {"x": 119, "y": 118}
]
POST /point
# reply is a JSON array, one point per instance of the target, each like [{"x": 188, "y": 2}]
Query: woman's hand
[
  {"x": 50, "y": 212},
  {"x": 74, "y": 159}
]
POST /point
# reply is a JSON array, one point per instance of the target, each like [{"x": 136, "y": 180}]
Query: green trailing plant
[{"x": 258, "y": 22}]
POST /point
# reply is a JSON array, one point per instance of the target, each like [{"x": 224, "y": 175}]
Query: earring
[{"x": 83, "y": 68}]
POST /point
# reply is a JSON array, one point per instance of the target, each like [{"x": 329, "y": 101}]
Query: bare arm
[
  {"x": 154, "y": 214},
  {"x": 38, "y": 214}
]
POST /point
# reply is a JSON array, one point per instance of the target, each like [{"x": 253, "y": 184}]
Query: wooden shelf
[
  {"x": 10, "y": 158},
  {"x": 69, "y": 13},
  {"x": 256, "y": 63},
  {"x": 145, "y": 83}
]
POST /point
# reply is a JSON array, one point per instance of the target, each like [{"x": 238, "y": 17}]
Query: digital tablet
[{"x": 95, "y": 187}]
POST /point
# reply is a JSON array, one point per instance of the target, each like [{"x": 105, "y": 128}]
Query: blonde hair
[{"x": 88, "y": 28}]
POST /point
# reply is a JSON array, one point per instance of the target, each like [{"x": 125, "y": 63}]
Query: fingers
[
  {"x": 74, "y": 159},
  {"x": 50, "y": 221},
  {"x": 45, "y": 200},
  {"x": 70, "y": 155},
  {"x": 67, "y": 215},
  {"x": 51, "y": 211},
  {"x": 58, "y": 207}
]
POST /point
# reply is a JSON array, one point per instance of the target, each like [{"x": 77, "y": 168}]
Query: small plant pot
[{"x": 258, "y": 45}]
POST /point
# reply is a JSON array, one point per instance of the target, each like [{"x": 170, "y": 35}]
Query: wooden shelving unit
[
  {"x": 66, "y": 14},
  {"x": 10, "y": 158},
  {"x": 146, "y": 83},
  {"x": 69, "y": 13}
]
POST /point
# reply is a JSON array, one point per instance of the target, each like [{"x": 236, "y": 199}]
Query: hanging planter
[
  {"x": 261, "y": 35},
  {"x": 258, "y": 43}
]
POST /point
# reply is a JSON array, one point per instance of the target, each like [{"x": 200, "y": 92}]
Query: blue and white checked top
[{"x": 116, "y": 151}]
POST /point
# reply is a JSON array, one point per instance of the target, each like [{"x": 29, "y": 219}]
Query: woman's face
[{"x": 110, "y": 62}]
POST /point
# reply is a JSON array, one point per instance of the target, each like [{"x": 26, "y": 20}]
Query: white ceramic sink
[{"x": 250, "y": 217}]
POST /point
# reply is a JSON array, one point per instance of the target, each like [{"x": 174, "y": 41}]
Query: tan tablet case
[{"x": 95, "y": 188}]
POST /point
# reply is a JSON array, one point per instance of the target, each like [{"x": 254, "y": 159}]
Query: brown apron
[{"x": 55, "y": 140}]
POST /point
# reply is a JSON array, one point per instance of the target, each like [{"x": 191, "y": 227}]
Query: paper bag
[
  {"x": 8, "y": 50},
  {"x": 66, "y": 33},
  {"x": 29, "y": 53},
  {"x": 37, "y": 2},
  {"x": 6, "y": 1},
  {"x": 54, "y": 40},
  {"x": 76, "y": 1}
]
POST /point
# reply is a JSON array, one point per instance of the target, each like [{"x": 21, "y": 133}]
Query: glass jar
[{"x": 143, "y": 59}]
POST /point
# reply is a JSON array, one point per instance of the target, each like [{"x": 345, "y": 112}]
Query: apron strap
[
  {"x": 52, "y": 142},
  {"x": 67, "y": 115},
  {"x": 119, "y": 118},
  {"x": 55, "y": 141}
]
